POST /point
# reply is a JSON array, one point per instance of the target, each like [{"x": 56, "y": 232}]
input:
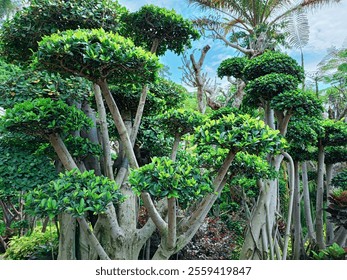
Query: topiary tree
[
  {"x": 76, "y": 193},
  {"x": 20, "y": 35},
  {"x": 231, "y": 133},
  {"x": 100, "y": 57},
  {"x": 158, "y": 29},
  {"x": 49, "y": 119},
  {"x": 101, "y": 64},
  {"x": 332, "y": 133}
]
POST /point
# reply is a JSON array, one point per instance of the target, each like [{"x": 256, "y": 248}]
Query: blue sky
[{"x": 328, "y": 27}]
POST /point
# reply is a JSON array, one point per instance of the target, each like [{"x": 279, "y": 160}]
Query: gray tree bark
[{"x": 319, "y": 199}]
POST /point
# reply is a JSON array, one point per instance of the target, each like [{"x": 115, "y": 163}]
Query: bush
[
  {"x": 36, "y": 246},
  {"x": 333, "y": 252}
]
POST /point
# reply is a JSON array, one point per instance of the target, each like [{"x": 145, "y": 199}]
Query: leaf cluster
[
  {"x": 181, "y": 179},
  {"x": 333, "y": 252},
  {"x": 21, "y": 170},
  {"x": 75, "y": 193},
  {"x": 333, "y": 133},
  {"x": 36, "y": 246},
  {"x": 30, "y": 85},
  {"x": 340, "y": 180},
  {"x": 335, "y": 154},
  {"x": 268, "y": 86},
  {"x": 44, "y": 116},
  {"x": 338, "y": 207},
  {"x": 273, "y": 62},
  {"x": 232, "y": 67},
  {"x": 151, "y": 23},
  {"x": 97, "y": 55},
  {"x": 180, "y": 121},
  {"x": 298, "y": 102},
  {"x": 239, "y": 133}
]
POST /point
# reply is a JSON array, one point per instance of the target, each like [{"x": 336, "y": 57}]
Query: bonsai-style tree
[
  {"x": 138, "y": 73},
  {"x": 166, "y": 178},
  {"x": 76, "y": 193},
  {"x": 333, "y": 133},
  {"x": 20, "y": 35}
]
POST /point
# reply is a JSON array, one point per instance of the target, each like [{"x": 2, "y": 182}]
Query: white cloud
[{"x": 328, "y": 27}]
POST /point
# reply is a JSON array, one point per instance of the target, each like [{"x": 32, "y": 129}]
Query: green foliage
[
  {"x": 20, "y": 35},
  {"x": 232, "y": 67},
  {"x": 162, "y": 95},
  {"x": 252, "y": 167},
  {"x": 333, "y": 252},
  {"x": 333, "y": 133},
  {"x": 75, "y": 193},
  {"x": 171, "y": 95},
  {"x": 36, "y": 246},
  {"x": 302, "y": 136},
  {"x": 180, "y": 121},
  {"x": 270, "y": 85},
  {"x": 335, "y": 154},
  {"x": 30, "y": 85},
  {"x": 273, "y": 62},
  {"x": 78, "y": 147},
  {"x": 181, "y": 179},
  {"x": 7, "y": 71},
  {"x": 153, "y": 139},
  {"x": 44, "y": 116},
  {"x": 152, "y": 23},
  {"x": 340, "y": 180},
  {"x": 97, "y": 55},
  {"x": 298, "y": 103},
  {"x": 223, "y": 111},
  {"x": 21, "y": 170},
  {"x": 239, "y": 133},
  {"x": 303, "y": 132}
]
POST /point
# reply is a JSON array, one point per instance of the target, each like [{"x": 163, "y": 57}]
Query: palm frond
[
  {"x": 297, "y": 29},
  {"x": 317, "y": 3}
]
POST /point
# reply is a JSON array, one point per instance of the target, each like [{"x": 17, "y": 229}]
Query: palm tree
[{"x": 251, "y": 26}]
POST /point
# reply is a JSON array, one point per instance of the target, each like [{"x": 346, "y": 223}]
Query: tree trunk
[
  {"x": 330, "y": 226},
  {"x": 92, "y": 239},
  {"x": 91, "y": 162},
  {"x": 296, "y": 213},
  {"x": 252, "y": 247},
  {"x": 105, "y": 139},
  {"x": 239, "y": 94},
  {"x": 67, "y": 241},
  {"x": 341, "y": 237},
  {"x": 62, "y": 152},
  {"x": 124, "y": 136},
  {"x": 319, "y": 199},
  {"x": 175, "y": 147},
  {"x": 291, "y": 204},
  {"x": 307, "y": 203},
  {"x": 142, "y": 102}
]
